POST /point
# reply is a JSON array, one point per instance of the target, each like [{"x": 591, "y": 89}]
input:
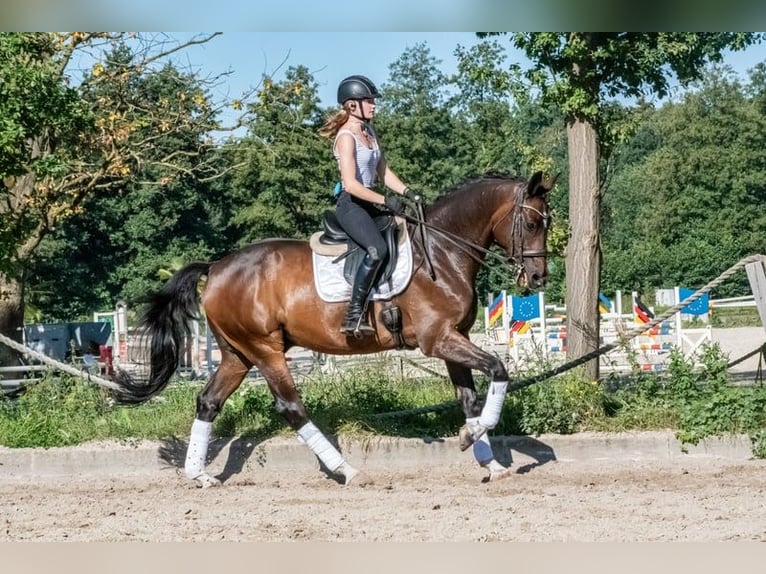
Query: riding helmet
[{"x": 356, "y": 88}]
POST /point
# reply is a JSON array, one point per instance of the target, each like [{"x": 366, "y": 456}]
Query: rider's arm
[{"x": 388, "y": 177}]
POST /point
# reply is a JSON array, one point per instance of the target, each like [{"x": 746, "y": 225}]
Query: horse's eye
[{"x": 530, "y": 226}]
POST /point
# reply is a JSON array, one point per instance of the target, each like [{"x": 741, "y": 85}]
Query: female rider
[{"x": 362, "y": 164}]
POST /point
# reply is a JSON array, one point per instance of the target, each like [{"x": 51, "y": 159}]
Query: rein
[
  {"x": 459, "y": 242},
  {"x": 467, "y": 246}
]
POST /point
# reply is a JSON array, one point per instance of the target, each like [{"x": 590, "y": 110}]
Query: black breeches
[{"x": 355, "y": 217}]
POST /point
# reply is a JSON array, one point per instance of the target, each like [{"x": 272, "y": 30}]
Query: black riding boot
[{"x": 355, "y": 322}]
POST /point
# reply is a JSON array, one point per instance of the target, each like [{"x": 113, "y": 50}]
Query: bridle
[{"x": 518, "y": 253}]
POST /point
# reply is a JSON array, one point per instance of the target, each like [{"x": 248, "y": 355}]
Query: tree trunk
[
  {"x": 11, "y": 317},
  {"x": 12, "y": 282},
  {"x": 583, "y": 252}
]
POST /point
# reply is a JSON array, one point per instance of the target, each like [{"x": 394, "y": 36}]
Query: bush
[
  {"x": 64, "y": 411},
  {"x": 563, "y": 405},
  {"x": 53, "y": 412},
  {"x": 707, "y": 405},
  {"x": 696, "y": 402}
]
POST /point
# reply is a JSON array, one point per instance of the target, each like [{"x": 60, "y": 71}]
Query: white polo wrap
[
  {"x": 482, "y": 450},
  {"x": 320, "y": 446},
  {"x": 490, "y": 414},
  {"x": 197, "y": 451}
]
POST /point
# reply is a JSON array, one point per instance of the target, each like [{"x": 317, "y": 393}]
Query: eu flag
[
  {"x": 526, "y": 308},
  {"x": 698, "y": 307}
]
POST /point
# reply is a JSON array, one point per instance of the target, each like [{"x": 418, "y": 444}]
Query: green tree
[
  {"x": 415, "y": 125},
  {"x": 580, "y": 72},
  {"x": 117, "y": 247},
  {"x": 693, "y": 204},
  {"x": 483, "y": 122},
  {"x": 501, "y": 133},
  {"x": 288, "y": 170},
  {"x": 65, "y": 139}
]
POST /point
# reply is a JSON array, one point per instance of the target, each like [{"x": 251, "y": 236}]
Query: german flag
[
  {"x": 520, "y": 327},
  {"x": 496, "y": 309}
]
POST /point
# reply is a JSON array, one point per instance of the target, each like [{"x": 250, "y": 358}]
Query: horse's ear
[
  {"x": 533, "y": 183},
  {"x": 550, "y": 182},
  {"x": 540, "y": 186}
]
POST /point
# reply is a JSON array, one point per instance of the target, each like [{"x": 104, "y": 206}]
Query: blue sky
[{"x": 330, "y": 56}]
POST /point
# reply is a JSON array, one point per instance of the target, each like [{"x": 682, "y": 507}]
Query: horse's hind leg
[
  {"x": 465, "y": 389},
  {"x": 273, "y": 367},
  {"x": 221, "y": 385}
]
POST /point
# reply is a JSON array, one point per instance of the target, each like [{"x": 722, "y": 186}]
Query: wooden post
[{"x": 756, "y": 273}]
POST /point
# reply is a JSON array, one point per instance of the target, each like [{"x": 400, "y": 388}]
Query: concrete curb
[{"x": 233, "y": 456}]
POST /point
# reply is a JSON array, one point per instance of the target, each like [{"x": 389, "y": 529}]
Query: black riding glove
[
  {"x": 413, "y": 195},
  {"x": 394, "y": 204}
]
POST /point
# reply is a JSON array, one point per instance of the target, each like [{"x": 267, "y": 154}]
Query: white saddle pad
[{"x": 333, "y": 288}]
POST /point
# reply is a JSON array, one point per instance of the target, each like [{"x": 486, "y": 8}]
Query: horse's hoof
[
  {"x": 465, "y": 438},
  {"x": 496, "y": 475},
  {"x": 349, "y": 473},
  {"x": 470, "y": 434},
  {"x": 207, "y": 481},
  {"x": 361, "y": 479}
]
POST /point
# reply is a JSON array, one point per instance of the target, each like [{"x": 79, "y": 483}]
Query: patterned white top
[{"x": 366, "y": 159}]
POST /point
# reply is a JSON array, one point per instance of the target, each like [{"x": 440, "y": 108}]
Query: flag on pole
[
  {"x": 520, "y": 327},
  {"x": 525, "y": 308},
  {"x": 496, "y": 308},
  {"x": 698, "y": 307},
  {"x": 604, "y": 304},
  {"x": 641, "y": 313}
]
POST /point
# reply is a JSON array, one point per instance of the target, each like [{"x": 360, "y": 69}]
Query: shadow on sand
[
  {"x": 525, "y": 451},
  {"x": 533, "y": 452},
  {"x": 173, "y": 452}
]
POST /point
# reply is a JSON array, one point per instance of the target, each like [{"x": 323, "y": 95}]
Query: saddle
[{"x": 334, "y": 241}]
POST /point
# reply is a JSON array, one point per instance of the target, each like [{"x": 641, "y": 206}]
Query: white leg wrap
[
  {"x": 482, "y": 450},
  {"x": 320, "y": 446},
  {"x": 197, "y": 451},
  {"x": 490, "y": 414},
  {"x": 483, "y": 453}
]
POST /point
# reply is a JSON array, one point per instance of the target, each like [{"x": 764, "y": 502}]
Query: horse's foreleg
[
  {"x": 291, "y": 407},
  {"x": 221, "y": 385},
  {"x": 457, "y": 348},
  {"x": 477, "y": 427},
  {"x": 465, "y": 389}
]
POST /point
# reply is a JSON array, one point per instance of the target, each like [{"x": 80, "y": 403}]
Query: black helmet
[{"x": 356, "y": 88}]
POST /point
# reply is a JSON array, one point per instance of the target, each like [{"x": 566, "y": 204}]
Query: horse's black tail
[{"x": 165, "y": 327}]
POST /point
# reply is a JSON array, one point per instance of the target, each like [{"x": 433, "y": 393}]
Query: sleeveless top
[{"x": 366, "y": 159}]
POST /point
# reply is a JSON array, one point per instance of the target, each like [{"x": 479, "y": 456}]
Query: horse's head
[{"x": 523, "y": 230}]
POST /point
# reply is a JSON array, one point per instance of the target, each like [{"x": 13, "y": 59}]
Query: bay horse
[{"x": 261, "y": 300}]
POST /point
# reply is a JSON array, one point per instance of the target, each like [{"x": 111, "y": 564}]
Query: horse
[{"x": 261, "y": 300}]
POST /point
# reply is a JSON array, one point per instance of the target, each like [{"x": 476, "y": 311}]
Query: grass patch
[
  {"x": 64, "y": 411},
  {"x": 695, "y": 402}
]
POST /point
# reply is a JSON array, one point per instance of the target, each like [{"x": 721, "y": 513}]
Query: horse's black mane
[{"x": 476, "y": 178}]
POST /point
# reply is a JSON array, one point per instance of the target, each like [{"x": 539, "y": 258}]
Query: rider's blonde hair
[{"x": 334, "y": 122}]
